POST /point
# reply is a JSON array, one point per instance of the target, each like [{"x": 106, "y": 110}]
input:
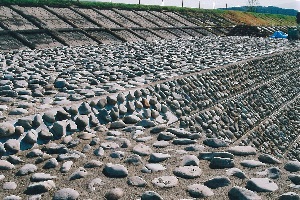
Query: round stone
[
  {"x": 289, "y": 196},
  {"x": 142, "y": 150},
  {"x": 239, "y": 193},
  {"x": 261, "y": 185},
  {"x": 136, "y": 181},
  {"x": 9, "y": 186},
  {"x": 115, "y": 170},
  {"x": 199, "y": 191},
  {"x": 217, "y": 182},
  {"x": 114, "y": 194},
  {"x": 66, "y": 194},
  {"x": 187, "y": 172},
  {"x": 292, "y": 166},
  {"x": 165, "y": 181},
  {"x": 151, "y": 195}
]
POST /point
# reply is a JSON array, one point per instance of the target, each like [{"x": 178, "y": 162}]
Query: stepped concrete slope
[
  {"x": 25, "y": 27},
  {"x": 118, "y": 104}
]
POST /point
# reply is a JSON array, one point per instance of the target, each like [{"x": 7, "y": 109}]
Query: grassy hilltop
[{"x": 239, "y": 17}]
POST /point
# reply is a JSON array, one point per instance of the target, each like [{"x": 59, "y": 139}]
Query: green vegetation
[{"x": 249, "y": 18}]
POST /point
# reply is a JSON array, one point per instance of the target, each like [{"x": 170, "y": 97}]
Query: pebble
[
  {"x": 236, "y": 172},
  {"x": 99, "y": 152},
  {"x": 142, "y": 150},
  {"x": 158, "y": 157},
  {"x": 221, "y": 163},
  {"x": 146, "y": 123},
  {"x": 66, "y": 194},
  {"x": 194, "y": 147},
  {"x": 239, "y": 193},
  {"x": 12, "y": 197},
  {"x": 131, "y": 119},
  {"x": 37, "y": 177},
  {"x": 166, "y": 136},
  {"x": 93, "y": 183},
  {"x": 9, "y": 186},
  {"x": 289, "y": 196},
  {"x": 184, "y": 141},
  {"x": 199, "y": 191},
  {"x": 15, "y": 159},
  {"x": 136, "y": 181},
  {"x": 31, "y": 137},
  {"x": 161, "y": 144},
  {"x": 79, "y": 173},
  {"x": 115, "y": 170},
  {"x": 268, "y": 159},
  {"x": 117, "y": 125},
  {"x": 216, "y": 182},
  {"x": 261, "y": 185},
  {"x": 187, "y": 172},
  {"x": 51, "y": 163},
  {"x": 93, "y": 164},
  {"x": 40, "y": 187},
  {"x": 12, "y": 145},
  {"x": 251, "y": 163},
  {"x": 179, "y": 132},
  {"x": 27, "y": 169},
  {"x": 134, "y": 159},
  {"x": 109, "y": 145},
  {"x": 188, "y": 160},
  {"x": 215, "y": 143},
  {"x": 5, "y": 165},
  {"x": 114, "y": 194},
  {"x": 151, "y": 195},
  {"x": 292, "y": 166},
  {"x": 66, "y": 166},
  {"x": 242, "y": 150},
  {"x": 272, "y": 172},
  {"x": 165, "y": 181},
  {"x": 6, "y": 129},
  {"x": 295, "y": 178},
  {"x": 150, "y": 167}
]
